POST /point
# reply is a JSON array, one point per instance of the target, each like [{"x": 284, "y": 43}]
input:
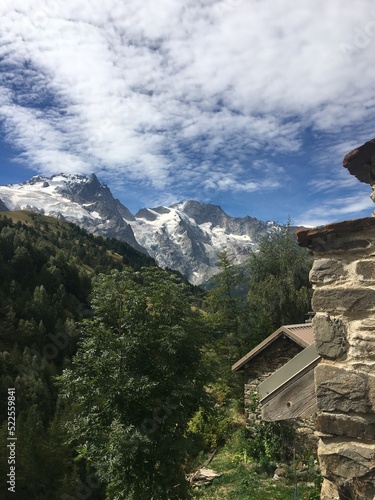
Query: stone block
[
  {"x": 368, "y": 324},
  {"x": 352, "y": 244},
  {"x": 363, "y": 489},
  {"x": 343, "y": 460},
  {"x": 362, "y": 345},
  {"x": 365, "y": 270},
  {"x": 327, "y": 271},
  {"x": 329, "y": 491},
  {"x": 355, "y": 426},
  {"x": 371, "y": 391},
  {"x": 361, "y": 337},
  {"x": 343, "y": 299},
  {"x": 340, "y": 389},
  {"x": 330, "y": 337}
]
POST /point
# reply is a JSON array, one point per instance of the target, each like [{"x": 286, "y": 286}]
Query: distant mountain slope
[
  {"x": 186, "y": 236},
  {"x": 87, "y": 250}
]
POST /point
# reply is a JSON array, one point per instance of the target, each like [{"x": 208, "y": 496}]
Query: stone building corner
[{"x": 343, "y": 277}]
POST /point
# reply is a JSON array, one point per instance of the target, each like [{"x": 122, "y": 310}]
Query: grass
[
  {"x": 243, "y": 479},
  {"x": 28, "y": 217}
]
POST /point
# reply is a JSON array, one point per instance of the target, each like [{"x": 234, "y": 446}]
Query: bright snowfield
[
  {"x": 40, "y": 195},
  {"x": 186, "y": 236}
]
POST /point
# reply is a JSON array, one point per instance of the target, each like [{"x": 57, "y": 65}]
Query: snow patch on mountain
[{"x": 43, "y": 197}]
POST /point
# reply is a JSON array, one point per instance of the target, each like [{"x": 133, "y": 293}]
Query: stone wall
[{"x": 343, "y": 276}]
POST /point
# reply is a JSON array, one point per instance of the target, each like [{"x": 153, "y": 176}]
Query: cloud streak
[
  {"x": 335, "y": 210},
  {"x": 176, "y": 95}
]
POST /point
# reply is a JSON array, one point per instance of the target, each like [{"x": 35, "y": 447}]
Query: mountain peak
[
  {"x": 81, "y": 199},
  {"x": 60, "y": 178},
  {"x": 188, "y": 235},
  {"x": 202, "y": 212},
  {"x": 194, "y": 204}
]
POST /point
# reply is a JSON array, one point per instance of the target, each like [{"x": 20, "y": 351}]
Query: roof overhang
[{"x": 361, "y": 162}]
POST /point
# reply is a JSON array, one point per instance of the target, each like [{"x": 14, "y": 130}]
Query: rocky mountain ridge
[{"x": 186, "y": 236}]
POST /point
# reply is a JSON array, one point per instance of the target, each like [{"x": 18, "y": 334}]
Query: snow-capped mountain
[
  {"x": 186, "y": 236},
  {"x": 75, "y": 198}
]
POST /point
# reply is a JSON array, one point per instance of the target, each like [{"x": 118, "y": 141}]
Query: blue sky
[{"x": 249, "y": 104}]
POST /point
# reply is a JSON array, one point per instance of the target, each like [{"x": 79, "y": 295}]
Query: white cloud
[
  {"x": 336, "y": 210},
  {"x": 176, "y": 93}
]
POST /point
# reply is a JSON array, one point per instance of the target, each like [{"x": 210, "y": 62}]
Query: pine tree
[
  {"x": 279, "y": 288},
  {"x": 224, "y": 317}
]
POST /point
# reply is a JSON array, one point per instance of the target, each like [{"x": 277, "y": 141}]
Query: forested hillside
[
  {"x": 46, "y": 269},
  {"x": 122, "y": 371},
  {"x": 46, "y": 272}
]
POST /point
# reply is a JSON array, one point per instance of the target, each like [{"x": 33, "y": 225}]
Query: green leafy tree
[
  {"x": 135, "y": 383},
  {"x": 279, "y": 288}
]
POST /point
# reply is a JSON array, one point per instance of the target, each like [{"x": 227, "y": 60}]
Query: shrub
[
  {"x": 269, "y": 441},
  {"x": 211, "y": 426}
]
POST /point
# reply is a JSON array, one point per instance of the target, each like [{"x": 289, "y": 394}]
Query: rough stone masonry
[{"x": 343, "y": 277}]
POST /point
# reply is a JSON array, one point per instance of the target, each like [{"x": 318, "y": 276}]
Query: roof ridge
[{"x": 297, "y": 325}]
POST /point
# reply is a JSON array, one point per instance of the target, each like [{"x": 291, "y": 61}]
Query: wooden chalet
[{"x": 279, "y": 376}]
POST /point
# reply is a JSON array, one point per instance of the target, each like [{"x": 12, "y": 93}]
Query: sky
[{"x": 248, "y": 104}]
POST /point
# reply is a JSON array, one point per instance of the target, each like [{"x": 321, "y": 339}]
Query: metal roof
[
  {"x": 293, "y": 368},
  {"x": 302, "y": 334}
]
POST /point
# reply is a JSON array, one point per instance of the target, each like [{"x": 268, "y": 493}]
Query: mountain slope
[{"x": 186, "y": 236}]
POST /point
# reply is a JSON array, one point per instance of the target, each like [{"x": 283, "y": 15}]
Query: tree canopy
[{"x": 135, "y": 383}]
